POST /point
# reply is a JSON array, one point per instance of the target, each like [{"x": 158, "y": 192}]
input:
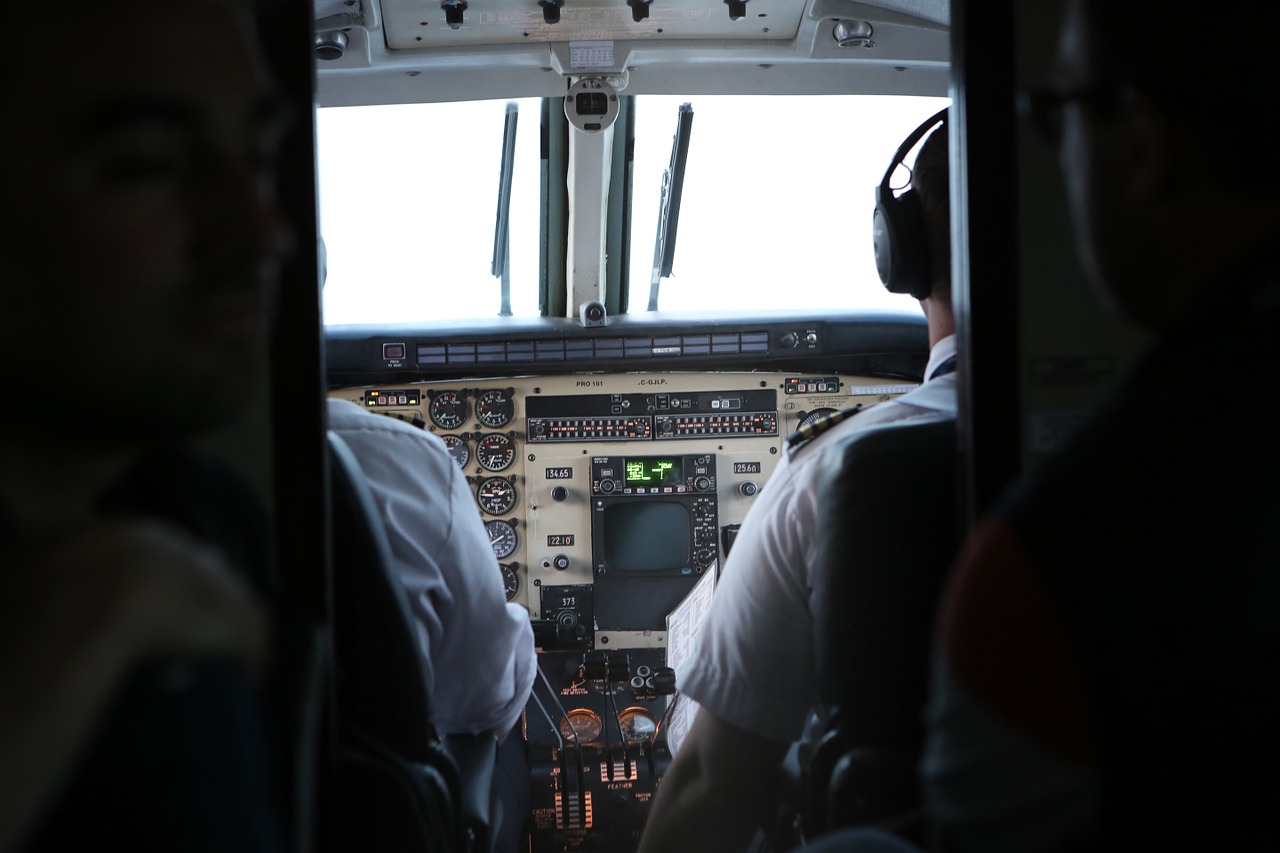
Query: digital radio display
[{"x": 654, "y": 471}]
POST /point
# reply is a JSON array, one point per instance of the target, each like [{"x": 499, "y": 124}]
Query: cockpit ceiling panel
[{"x": 418, "y": 24}]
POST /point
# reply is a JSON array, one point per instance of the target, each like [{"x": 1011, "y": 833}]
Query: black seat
[
  {"x": 889, "y": 535},
  {"x": 398, "y": 785}
]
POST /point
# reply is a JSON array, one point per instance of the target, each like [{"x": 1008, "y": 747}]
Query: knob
[
  {"x": 607, "y": 487},
  {"x": 567, "y": 620},
  {"x": 551, "y": 10},
  {"x": 595, "y": 665},
  {"x": 664, "y": 680},
  {"x": 619, "y": 666},
  {"x": 453, "y": 10},
  {"x": 559, "y": 493},
  {"x": 790, "y": 340},
  {"x": 702, "y": 484},
  {"x": 560, "y": 561},
  {"x": 748, "y": 488}
]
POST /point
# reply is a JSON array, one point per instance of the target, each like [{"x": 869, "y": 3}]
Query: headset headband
[{"x": 907, "y": 144}]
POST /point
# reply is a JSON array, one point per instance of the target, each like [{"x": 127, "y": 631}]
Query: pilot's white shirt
[
  {"x": 477, "y": 648},
  {"x": 755, "y": 666}
]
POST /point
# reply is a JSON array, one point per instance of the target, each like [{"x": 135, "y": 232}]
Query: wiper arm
[
  {"x": 664, "y": 246},
  {"x": 501, "y": 233}
]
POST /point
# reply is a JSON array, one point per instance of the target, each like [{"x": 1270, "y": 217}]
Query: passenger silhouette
[
  {"x": 139, "y": 261},
  {"x": 1108, "y": 646}
]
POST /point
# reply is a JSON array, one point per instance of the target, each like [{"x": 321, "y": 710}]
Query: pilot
[
  {"x": 478, "y": 648},
  {"x": 754, "y": 676},
  {"x": 142, "y": 238},
  {"x": 1109, "y": 643}
]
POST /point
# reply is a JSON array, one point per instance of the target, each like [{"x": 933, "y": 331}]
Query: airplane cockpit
[
  {"x": 614, "y": 255},
  {"x": 609, "y": 302}
]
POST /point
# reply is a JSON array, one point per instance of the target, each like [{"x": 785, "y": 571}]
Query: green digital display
[{"x": 653, "y": 471}]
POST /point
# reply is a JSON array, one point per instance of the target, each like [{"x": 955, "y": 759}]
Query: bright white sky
[{"x": 776, "y": 206}]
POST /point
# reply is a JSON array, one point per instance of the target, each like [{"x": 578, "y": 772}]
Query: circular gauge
[
  {"x": 495, "y": 408},
  {"x": 448, "y": 409},
  {"x": 457, "y": 449},
  {"x": 815, "y": 415},
  {"x": 637, "y": 724},
  {"x": 496, "y": 495},
  {"x": 495, "y": 452},
  {"x": 510, "y": 581},
  {"x": 581, "y": 725},
  {"x": 503, "y": 537}
]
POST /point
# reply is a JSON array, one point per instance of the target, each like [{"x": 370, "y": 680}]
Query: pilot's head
[
  {"x": 930, "y": 178},
  {"x": 1159, "y": 143},
  {"x": 143, "y": 222}
]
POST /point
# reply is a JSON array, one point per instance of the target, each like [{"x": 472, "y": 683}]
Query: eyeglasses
[{"x": 1043, "y": 107}]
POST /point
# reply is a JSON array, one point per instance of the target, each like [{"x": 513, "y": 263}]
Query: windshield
[{"x": 775, "y": 212}]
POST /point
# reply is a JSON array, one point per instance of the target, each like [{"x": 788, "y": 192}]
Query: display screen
[
  {"x": 646, "y": 536},
  {"x": 654, "y": 471}
]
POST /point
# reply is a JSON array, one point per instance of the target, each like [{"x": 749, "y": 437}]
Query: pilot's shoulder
[{"x": 350, "y": 420}]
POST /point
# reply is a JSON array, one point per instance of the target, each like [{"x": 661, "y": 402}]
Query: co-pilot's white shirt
[
  {"x": 477, "y": 648},
  {"x": 755, "y": 666}
]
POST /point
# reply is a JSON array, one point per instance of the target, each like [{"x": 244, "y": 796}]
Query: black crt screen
[{"x": 646, "y": 536}]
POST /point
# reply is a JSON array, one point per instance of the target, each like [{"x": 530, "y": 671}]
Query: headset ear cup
[
  {"x": 901, "y": 247},
  {"x": 898, "y": 231},
  {"x": 881, "y": 236}
]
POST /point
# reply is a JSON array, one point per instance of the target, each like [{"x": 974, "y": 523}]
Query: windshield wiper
[
  {"x": 664, "y": 246},
  {"x": 501, "y": 232}
]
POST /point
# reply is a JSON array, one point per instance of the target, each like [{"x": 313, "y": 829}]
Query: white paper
[
  {"x": 684, "y": 626},
  {"x": 591, "y": 54}
]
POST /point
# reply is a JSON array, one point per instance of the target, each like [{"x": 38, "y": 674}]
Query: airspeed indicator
[{"x": 457, "y": 449}]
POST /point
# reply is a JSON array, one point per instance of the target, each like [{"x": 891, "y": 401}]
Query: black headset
[{"x": 897, "y": 226}]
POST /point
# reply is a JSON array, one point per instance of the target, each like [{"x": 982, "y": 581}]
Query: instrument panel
[
  {"x": 606, "y": 498},
  {"x": 574, "y": 474}
]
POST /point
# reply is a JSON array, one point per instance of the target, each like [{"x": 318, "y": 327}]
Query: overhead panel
[{"x": 422, "y": 24}]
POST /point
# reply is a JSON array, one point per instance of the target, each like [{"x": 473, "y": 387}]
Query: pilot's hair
[
  {"x": 1213, "y": 77},
  {"x": 931, "y": 180}
]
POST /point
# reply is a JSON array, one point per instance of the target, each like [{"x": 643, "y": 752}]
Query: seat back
[
  {"x": 395, "y": 786},
  {"x": 889, "y": 534}
]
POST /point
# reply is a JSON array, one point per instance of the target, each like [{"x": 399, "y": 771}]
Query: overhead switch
[
  {"x": 551, "y": 10},
  {"x": 639, "y": 9},
  {"x": 453, "y": 10}
]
